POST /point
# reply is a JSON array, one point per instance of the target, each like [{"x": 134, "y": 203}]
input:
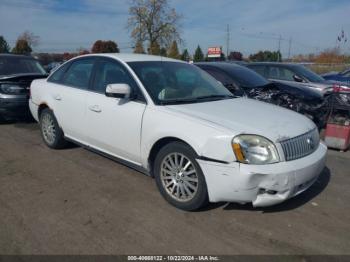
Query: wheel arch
[
  {"x": 41, "y": 107},
  {"x": 158, "y": 145}
]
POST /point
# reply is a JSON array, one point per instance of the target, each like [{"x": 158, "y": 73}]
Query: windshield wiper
[
  {"x": 195, "y": 99},
  {"x": 214, "y": 97}
]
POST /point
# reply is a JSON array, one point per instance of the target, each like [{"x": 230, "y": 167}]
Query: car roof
[
  {"x": 221, "y": 65},
  {"x": 126, "y": 57},
  {"x": 281, "y": 64},
  {"x": 16, "y": 56}
]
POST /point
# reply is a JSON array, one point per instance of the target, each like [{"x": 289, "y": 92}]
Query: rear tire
[
  {"x": 51, "y": 132},
  {"x": 179, "y": 177}
]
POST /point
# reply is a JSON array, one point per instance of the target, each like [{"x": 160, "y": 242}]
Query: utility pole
[
  {"x": 279, "y": 47},
  {"x": 289, "y": 47},
  {"x": 227, "y": 41}
]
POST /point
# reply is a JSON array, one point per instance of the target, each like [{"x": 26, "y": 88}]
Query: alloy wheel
[
  {"x": 48, "y": 128},
  {"x": 179, "y": 177}
]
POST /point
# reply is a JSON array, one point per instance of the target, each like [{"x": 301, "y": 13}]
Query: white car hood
[{"x": 248, "y": 116}]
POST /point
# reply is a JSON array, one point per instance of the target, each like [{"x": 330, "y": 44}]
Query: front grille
[{"x": 300, "y": 146}]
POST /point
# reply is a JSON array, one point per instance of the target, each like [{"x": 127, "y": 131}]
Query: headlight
[
  {"x": 255, "y": 150},
  {"x": 12, "y": 89}
]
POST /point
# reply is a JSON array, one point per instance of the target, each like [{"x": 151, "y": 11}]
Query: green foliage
[
  {"x": 105, "y": 47},
  {"x": 22, "y": 47},
  {"x": 266, "y": 56},
  {"x": 237, "y": 56},
  {"x": 4, "y": 46},
  {"x": 198, "y": 55},
  {"x": 174, "y": 51},
  {"x": 185, "y": 56}
]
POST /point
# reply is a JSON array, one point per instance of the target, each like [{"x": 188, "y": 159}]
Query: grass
[{"x": 326, "y": 68}]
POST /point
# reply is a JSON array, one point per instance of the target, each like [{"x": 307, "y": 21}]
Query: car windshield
[
  {"x": 175, "y": 83},
  {"x": 12, "y": 65},
  {"x": 247, "y": 78},
  {"x": 308, "y": 74}
]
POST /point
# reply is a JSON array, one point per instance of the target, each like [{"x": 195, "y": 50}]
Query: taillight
[{"x": 338, "y": 88}]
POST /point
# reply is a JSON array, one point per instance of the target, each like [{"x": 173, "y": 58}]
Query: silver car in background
[{"x": 293, "y": 74}]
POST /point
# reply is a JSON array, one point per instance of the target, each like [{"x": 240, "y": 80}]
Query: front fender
[{"x": 206, "y": 140}]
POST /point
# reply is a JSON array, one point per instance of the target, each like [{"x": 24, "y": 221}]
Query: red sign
[{"x": 214, "y": 52}]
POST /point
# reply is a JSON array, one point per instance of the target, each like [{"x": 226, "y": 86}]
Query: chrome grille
[{"x": 300, "y": 146}]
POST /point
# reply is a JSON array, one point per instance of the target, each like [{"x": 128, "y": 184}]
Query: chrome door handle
[
  {"x": 57, "y": 97},
  {"x": 95, "y": 108}
]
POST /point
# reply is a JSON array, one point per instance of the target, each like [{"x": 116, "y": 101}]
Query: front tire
[
  {"x": 179, "y": 177},
  {"x": 52, "y": 134}
]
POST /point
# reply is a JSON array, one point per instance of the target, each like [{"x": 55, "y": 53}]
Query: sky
[{"x": 303, "y": 26}]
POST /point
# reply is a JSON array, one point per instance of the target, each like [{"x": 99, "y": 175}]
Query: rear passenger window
[
  {"x": 78, "y": 74},
  {"x": 57, "y": 75}
]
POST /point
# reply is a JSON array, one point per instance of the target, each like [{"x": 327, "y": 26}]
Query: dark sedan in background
[
  {"x": 292, "y": 74},
  {"x": 16, "y": 74},
  {"x": 242, "y": 81},
  {"x": 343, "y": 77}
]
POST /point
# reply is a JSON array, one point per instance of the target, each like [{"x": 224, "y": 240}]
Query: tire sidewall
[{"x": 201, "y": 197}]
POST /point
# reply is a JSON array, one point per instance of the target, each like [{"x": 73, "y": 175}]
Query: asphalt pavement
[{"x": 73, "y": 201}]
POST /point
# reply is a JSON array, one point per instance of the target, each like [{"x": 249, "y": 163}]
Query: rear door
[
  {"x": 113, "y": 124},
  {"x": 69, "y": 96}
]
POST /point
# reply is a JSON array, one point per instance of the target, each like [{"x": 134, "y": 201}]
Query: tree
[
  {"x": 153, "y": 21},
  {"x": 198, "y": 55},
  {"x": 139, "y": 48},
  {"x": 238, "y": 56},
  {"x": 22, "y": 47},
  {"x": 105, "y": 47},
  {"x": 331, "y": 56},
  {"x": 82, "y": 51},
  {"x": 174, "y": 51},
  {"x": 30, "y": 37},
  {"x": 154, "y": 48},
  {"x": 68, "y": 56},
  {"x": 4, "y": 46},
  {"x": 185, "y": 56},
  {"x": 266, "y": 56},
  {"x": 163, "y": 52}
]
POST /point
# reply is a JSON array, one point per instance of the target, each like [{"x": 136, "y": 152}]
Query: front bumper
[
  {"x": 262, "y": 185},
  {"x": 13, "y": 105}
]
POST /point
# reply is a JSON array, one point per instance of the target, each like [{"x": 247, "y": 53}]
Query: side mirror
[
  {"x": 298, "y": 79},
  {"x": 118, "y": 90}
]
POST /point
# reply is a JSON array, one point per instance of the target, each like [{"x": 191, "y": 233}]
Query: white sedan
[{"x": 173, "y": 121}]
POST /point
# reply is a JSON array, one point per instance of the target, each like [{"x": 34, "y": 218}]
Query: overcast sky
[{"x": 66, "y": 25}]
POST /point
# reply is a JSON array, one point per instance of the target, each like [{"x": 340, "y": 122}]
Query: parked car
[
  {"x": 294, "y": 74},
  {"x": 343, "y": 77},
  {"x": 175, "y": 122},
  {"x": 242, "y": 81},
  {"x": 16, "y": 74},
  {"x": 52, "y": 66}
]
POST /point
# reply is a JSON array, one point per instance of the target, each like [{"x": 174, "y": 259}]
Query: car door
[
  {"x": 114, "y": 124},
  {"x": 69, "y": 96}
]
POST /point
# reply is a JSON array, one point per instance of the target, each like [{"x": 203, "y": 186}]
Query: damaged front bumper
[{"x": 262, "y": 185}]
